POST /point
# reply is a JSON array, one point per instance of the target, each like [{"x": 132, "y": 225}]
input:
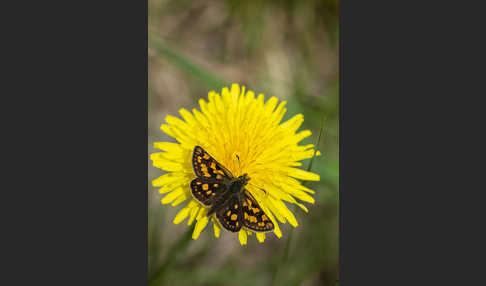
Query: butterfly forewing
[
  {"x": 253, "y": 216},
  {"x": 229, "y": 215},
  {"x": 206, "y": 166},
  {"x": 205, "y": 190}
]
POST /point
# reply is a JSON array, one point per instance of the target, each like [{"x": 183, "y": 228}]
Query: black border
[
  {"x": 404, "y": 112},
  {"x": 79, "y": 143}
]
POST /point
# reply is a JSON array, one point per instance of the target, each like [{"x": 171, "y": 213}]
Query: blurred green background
[{"x": 288, "y": 49}]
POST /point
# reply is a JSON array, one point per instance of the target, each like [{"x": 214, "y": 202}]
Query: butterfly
[{"x": 226, "y": 196}]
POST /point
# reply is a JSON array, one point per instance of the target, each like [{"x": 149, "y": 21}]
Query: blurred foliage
[{"x": 287, "y": 49}]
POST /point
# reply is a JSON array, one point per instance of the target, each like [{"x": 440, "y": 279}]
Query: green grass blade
[{"x": 188, "y": 66}]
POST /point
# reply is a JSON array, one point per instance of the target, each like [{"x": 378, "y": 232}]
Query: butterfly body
[
  {"x": 226, "y": 196},
  {"x": 233, "y": 190}
]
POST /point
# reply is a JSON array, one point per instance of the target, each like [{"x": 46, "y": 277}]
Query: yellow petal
[
  {"x": 301, "y": 155},
  {"x": 202, "y": 213},
  {"x": 213, "y": 112},
  {"x": 279, "y": 112},
  {"x": 168, "y": 147},
  {"x": 181, "y": 215},
  {"x": 217, "y": 229},
  {"x": 166, "y": 165},
  {"x": 293, "y": 123},
  {"x": 218, "y": 102},
  {"x": 204, "y": 107},
  {"x": 200, "y": 225},
  {"x": 180, "y": 199},
  {"x": 167, "y": 179},
  {"x": 282, "y": 208},
  {"x": 260, "y": 100},
  {"x": 200, "y": 118},
  {"x": 188, "y": 117},
  {"x": 170, "y": 157},
  {"x": 301, "y": 174},
  {"x": 305, "y": 189},
  {"x": 260, "y": 236},
  {"x": 270, "y": 105},
  {"x": 280, "y": 193},
  {"x": 167, "y": 130},
  {"x": 303, "y": 196},
  {"x": 300, "y": 136},
  {"x": 275, "y": 211},
  {"x": 176, "y": 122},
  {"x": 249, "y": 97},
  {"x": 242, "y": 236},
  {"x": 296, "y": 192},
  {"x": 172, "y": 196},
  {"x": 185, "y": 137},
  {"x": 193, "y": 213},
  {"x": 303, "y": 207},
  {"x": 169, "y": 188},
  {"x": 235, "y": 92}
]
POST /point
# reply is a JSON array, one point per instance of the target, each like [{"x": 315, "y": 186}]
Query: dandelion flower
[{"x": 244, "y": 134}]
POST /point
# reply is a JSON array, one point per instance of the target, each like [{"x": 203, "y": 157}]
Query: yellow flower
[{"x": 244, "y": 134}]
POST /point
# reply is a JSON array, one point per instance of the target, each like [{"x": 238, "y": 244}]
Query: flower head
[{"x": 244, "y": 134}]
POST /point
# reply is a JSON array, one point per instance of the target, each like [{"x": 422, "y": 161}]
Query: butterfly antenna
[
  {"x": 238, "y": 157},
  {"x": 239, "y": 167},
  {"x": 261, "y": 189}
]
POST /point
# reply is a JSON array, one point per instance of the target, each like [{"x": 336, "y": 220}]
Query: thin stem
[
  {"x": 178, "y": 248},
  {"x": 286, "y": 252},
  {"x": 317, "y": 144},
  {"x": 285, "y": 256}
]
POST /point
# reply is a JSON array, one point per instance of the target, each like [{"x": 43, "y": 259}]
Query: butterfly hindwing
[
  {"x": 206, "y": 166},
  {"x": 253, "y": 216},
  {"x": 205, "y": 190},
  {"x": 229, "y": 215}
]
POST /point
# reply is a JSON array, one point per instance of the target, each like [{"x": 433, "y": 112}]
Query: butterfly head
[
  {"x": 237, "y": 185},
  {"x": 243, "y": 179}
]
